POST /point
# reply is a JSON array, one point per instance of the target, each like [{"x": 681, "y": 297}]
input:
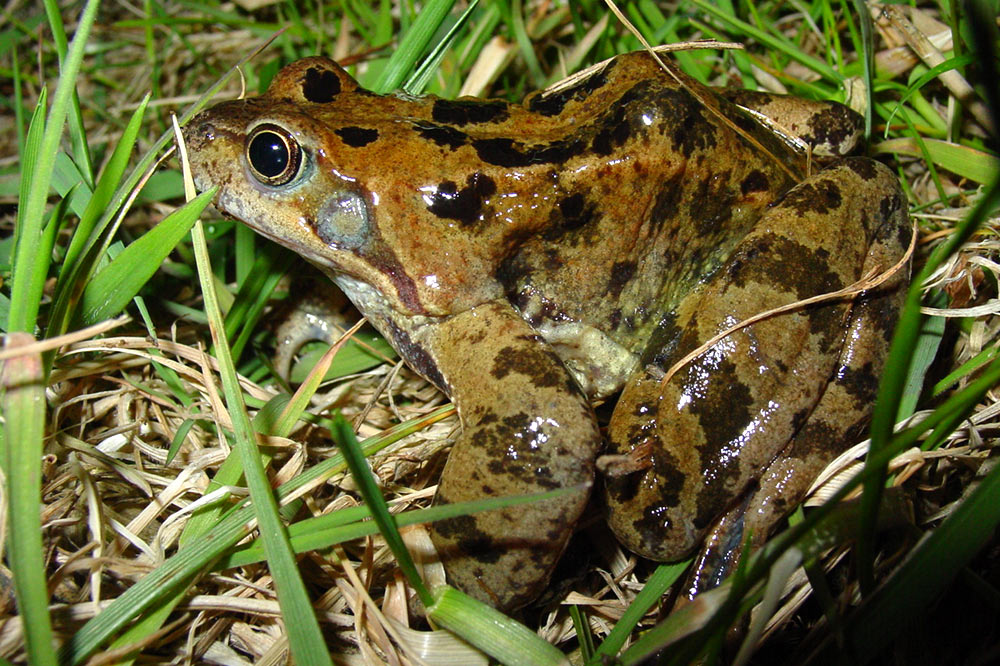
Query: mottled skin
[{"x": 526, "y": 258}]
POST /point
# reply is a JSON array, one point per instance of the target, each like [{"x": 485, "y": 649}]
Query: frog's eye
[{"x": 273, "y": 154}]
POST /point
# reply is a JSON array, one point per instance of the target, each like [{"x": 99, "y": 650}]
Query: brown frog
[{"x": 528, "y": 258}]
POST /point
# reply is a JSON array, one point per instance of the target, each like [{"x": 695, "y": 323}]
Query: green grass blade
[
  {"x": 654, "y": 589},
  {"x": 172, "y": 577},
  {"x": 347, "y": 524},
  {"x": 43, "y": 251},
  {"x": 965, "y": 161},
  {"x": 417, "y": 84},
  {"x": 29, "y": 157},
  {"x": 515, "y": 21},
  {"x": 19, "y": 100},
  {"x": 304, "y": 636},
  {"x": 24, "y": 304},
  {"x": 277, "y": 417},
  {"x": 116, "y": 284},
  {"x": 771, "y": 41},
  {"x": 23, "y": 407},
  {"x": 353, "y": 357},
  {"x": 77, "y": 133},
  {"x": 868, "y": 68},
  {"x": 63, "y": 309},
  {"x": 983, "y": 30},
  {"x": 412, "y": 45},
  {"x": 897, "y": 370},
  {"x": 504, "y": 639},
  {"x": 26, "y": 271},
  {"x": 966, "y": 369},
  {"x": 584, "y": 636},
  {"x": 272, "y": 262},
  {"x": 362, "y": 475},
  {"x": 923, "y": 356},
  {"x": 146, "y": 626},
  {"x": 102, "y": 193}
]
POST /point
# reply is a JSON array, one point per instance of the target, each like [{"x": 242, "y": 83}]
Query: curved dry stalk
[{"x": 48, "y": 344}]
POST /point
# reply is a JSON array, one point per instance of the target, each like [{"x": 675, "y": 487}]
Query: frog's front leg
[
  {"x": 704, "y": 438},
  {"x": 526, "y": 428},
  {"x": 316, "y": 312}
]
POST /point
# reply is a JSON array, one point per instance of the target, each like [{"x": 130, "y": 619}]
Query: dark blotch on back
[
  {"x": 571, "y": 213},
  {"x": 470, "y": 539},
  {"x": 465, "y": 112},
  {"x": 553, "y": 105},
  {"x": 864, "y": 167},
  {"x": 442, "y": 135},
  {"x": 712, "y": 203},
  {"x": 890, "y": 205},
  {"x": 723, "y": 416},
  {"x": 692, "y": 130},
  {"x": 756, "y": 181},
  {"x": 356, "y": 137},
  {"x": 655, "y": 519},
  {"x": 466, "y": 204},
  {"x": 802, "y": 269},
  {"x": 668, "y": 199},
  {"x": 861, "y": 383},
  {"x": 508, "y": 153},
  {"x": 614, "y": 128},
  {"x": 320, "y": 85},
  {"x": 665, "y": 467},
  {"x": 834, "y": 126},
  {"x": 509, "y": 445},
  {"x": 723, "y": 412}
]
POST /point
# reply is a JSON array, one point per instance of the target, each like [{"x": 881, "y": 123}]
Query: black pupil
[{"x": 268, "y": 154}]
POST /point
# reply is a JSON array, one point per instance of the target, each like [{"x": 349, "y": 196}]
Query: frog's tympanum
[{"x": 528, "y": 258}]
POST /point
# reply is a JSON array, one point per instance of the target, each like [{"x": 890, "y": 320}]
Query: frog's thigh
[
  {"x": 527, "y": 428},
  {"x": 710, "y": 431},
  {"x": 837, "y": 422}
]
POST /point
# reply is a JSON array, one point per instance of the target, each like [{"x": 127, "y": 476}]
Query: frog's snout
[{"x": 198, "y": 132}]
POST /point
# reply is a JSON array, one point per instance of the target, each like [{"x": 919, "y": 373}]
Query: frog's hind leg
[
  {"x": 828, "y": 129},
  {"x": 699, "y": 441},
  {"x": 838, "y": 421},
  {"x": 843, "y": 413}
]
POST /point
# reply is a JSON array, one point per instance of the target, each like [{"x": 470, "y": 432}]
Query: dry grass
[{"x": 115, "y": 498}]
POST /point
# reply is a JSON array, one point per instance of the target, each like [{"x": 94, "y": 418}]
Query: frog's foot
[
  {"x": 772, "y": 403},
  {"x": 827, "y": 129},
  {"x": 319, "y": 311},
  {"x": 526, "y": 428}
]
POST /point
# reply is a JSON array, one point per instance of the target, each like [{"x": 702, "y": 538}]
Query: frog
[{"x": 532, "y": 258}]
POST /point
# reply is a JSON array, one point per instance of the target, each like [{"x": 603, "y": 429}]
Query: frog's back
[{"x": 664, "y": 190}]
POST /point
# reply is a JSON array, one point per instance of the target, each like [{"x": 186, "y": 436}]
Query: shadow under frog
[{"x": 528, "y": 258}]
